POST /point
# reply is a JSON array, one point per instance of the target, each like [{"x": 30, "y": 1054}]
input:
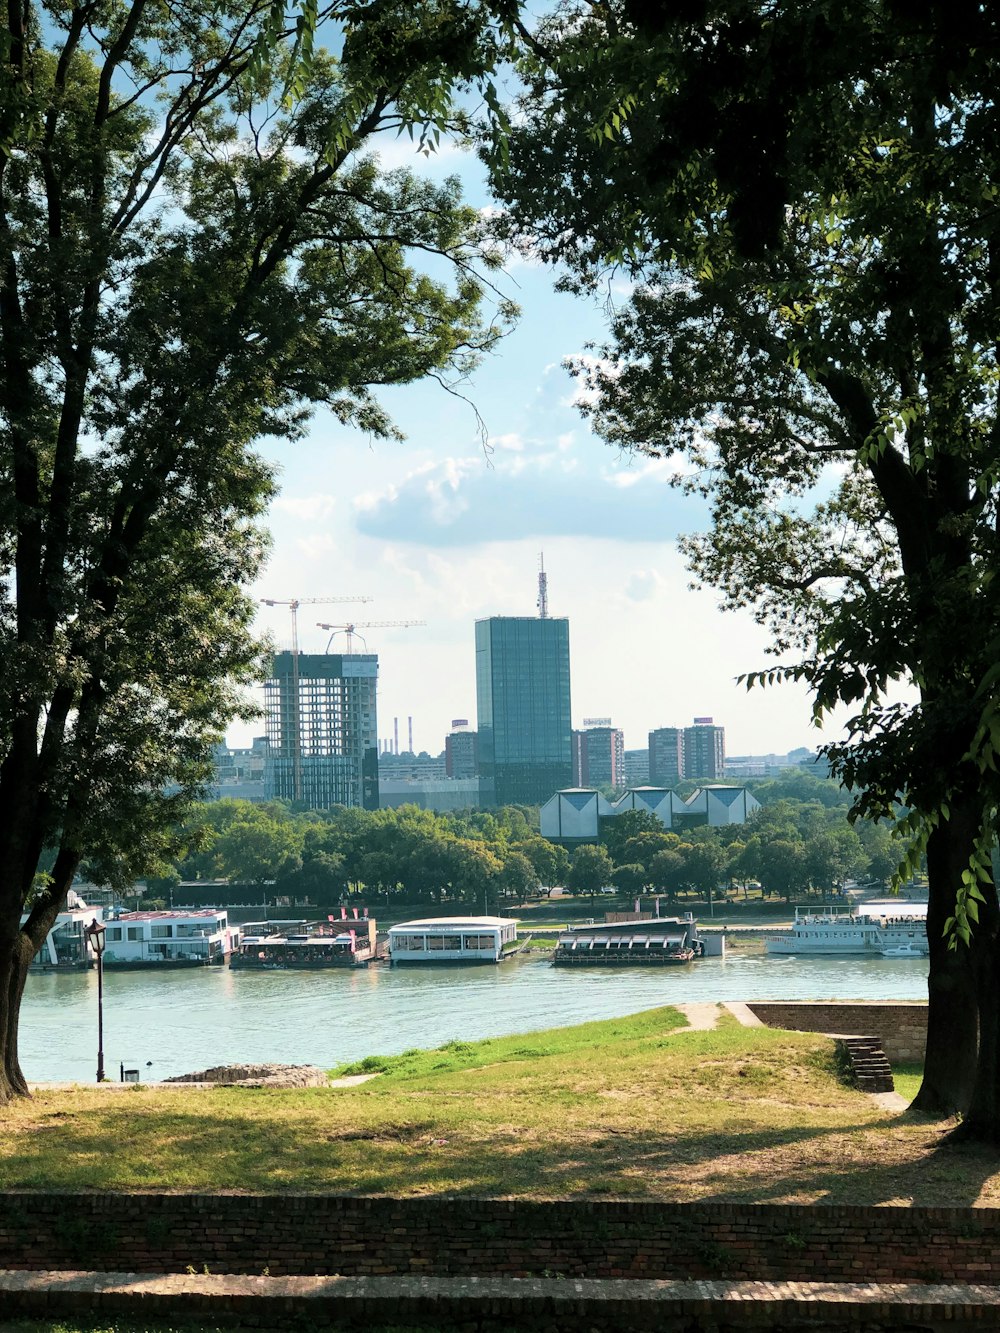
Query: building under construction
[{"x": 322, "y": 729}]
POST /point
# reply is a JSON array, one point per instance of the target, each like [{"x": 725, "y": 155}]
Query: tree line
[{"x": 799, "y": 843}]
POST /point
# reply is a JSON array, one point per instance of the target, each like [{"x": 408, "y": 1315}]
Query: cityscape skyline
[{"x": 447, "y": 527}]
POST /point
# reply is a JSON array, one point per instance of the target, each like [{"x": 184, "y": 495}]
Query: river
[{"x": 176, "y": 1022}]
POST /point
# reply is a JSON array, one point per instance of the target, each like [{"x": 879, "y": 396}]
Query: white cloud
[
  {"x": 307, "y": 508},
  {"x": 540, "y": 493}
]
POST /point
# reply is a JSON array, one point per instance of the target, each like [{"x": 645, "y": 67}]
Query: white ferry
[{"x": 870, "y": 928}]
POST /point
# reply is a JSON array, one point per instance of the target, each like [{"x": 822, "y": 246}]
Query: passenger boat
[{"x": 868, "y": 929}]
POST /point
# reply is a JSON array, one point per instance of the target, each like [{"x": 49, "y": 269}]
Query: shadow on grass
[{"x": 426, "y": 1155}]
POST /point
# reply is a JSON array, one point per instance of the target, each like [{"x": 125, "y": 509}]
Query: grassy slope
[{"x": 634, "y": 1107}]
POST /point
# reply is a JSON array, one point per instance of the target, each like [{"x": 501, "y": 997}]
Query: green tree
[
  {"x": 257, "y": 848},
  {"x": 806, "y": 193},
  {"x": 517, "y": 877},
  {"x": 187, "y": 265},
  {"x": 666, "y": 873},
  {"x": 550, "y": 862},
  {"x": 781, "y": 866},
  {"x": 704, "y": 866},
  {"x": 630, "y": 880},
  {"x": 618, "y": 831},
  {"x": 590, "y": 869}
]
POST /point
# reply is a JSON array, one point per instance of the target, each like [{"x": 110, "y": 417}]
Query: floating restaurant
[
  {"x": 451, "y": 939},
  {"x": 187, "y": 937},
  {"x": 654, "y": 942},
  {"x": 326, "y": 944}
]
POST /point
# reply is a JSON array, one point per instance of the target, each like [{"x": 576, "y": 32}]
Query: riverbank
[
  {"x": 632, "y": 1108},
  {"x": 176, "y": 1022}
]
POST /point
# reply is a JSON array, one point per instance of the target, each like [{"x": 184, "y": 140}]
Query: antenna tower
[{"x": 543, "y": 588}]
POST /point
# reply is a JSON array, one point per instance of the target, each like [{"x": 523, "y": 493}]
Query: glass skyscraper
[{"x": 522, "y": 694}]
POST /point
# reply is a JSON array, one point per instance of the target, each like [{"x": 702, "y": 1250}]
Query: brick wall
[
  {"x": 335, "y": 1234},
  {"x": 901, "y": 1026}
]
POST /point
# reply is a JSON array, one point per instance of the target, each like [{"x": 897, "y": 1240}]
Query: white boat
[
  {"x": 908, "y": 950},
  {"x": 868, "y": 929}
]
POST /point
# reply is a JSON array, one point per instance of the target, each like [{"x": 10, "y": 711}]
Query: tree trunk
[
  {"x": 981, "y": 1123},
  {"x": 952, "y": 1028},
  {"x": 15, "y": 956}
]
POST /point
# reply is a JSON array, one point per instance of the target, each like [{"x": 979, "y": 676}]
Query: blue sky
[{"x": 438, "y": 528}]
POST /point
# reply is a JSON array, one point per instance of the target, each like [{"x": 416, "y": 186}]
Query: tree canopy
[
  {"x": 804, "y": 197},
  {"x": 196, "y": 245}
]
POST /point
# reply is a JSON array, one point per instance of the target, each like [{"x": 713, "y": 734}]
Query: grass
[
  {"x": 638, "y": 1107},
  {"x": 907, "y": 1078}
]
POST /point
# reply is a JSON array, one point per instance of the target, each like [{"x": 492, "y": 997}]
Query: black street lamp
[{"x": 94, "y": 935}]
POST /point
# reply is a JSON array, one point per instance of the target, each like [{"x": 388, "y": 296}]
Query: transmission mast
[
  {"x": 543, "y": 588},
  {"x": 293, "y": 604}
]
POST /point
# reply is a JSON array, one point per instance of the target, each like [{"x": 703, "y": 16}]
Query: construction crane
[
  {"x": 352, "y": 629},
  {"x": 293, "y": 604}
]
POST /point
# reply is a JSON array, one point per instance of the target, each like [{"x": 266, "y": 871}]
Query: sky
[{"x": 440, "y": 529}]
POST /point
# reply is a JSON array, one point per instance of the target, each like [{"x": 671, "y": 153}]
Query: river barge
[{"x": 653, "y": 942}]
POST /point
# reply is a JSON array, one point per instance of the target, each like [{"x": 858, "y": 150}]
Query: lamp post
[{"x": 94, "y": 935}]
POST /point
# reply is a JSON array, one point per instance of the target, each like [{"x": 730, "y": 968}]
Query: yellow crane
[{"x": 293, "y": 604}]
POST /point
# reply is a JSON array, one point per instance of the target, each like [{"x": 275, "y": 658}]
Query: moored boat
[
  {"x": 653, "y": 942},
  {"x": 322, "y": 946},
  {"x": 867, "y": 929}
]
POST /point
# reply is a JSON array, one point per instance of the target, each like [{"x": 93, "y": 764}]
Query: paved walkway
[{"x": 562, "y": 1303}]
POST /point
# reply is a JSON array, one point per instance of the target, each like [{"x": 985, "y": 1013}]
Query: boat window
[
  {"x": 452, "y": 942},
  {"x": 435, "y": 942}
]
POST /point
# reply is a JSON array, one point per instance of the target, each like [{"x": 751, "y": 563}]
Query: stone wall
[
  {"x": 357, "y": 1236},
  {"x": 900, "y": 1025}
]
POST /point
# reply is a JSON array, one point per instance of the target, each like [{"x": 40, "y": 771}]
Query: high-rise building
[
  {"x": 523, "y": 699},
  {"x": 322, "y": 729},
  {"x": 666, "y": 756},
  {"x": 460, "y": 757},
  {"x": 704, "y": 750},
  {"x": 636, "y": 768},
  {"x": 598, "y": 754}
]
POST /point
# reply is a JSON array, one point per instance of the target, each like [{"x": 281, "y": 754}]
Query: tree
[
  {"x": 704, "y": 865},
  {"x": 805, "y": 193},
  {"x": 616, "y": 832},
  {"x": 666, "y": 873},
  {"x": 258, "y": 848},
  {"x": 590, "y": 869},
  {"x": 550, "y": 861},
  {"x": 517, "y": 877},
  {"x": 187, "y": 264},
  {"x": 630, "y": 880}
]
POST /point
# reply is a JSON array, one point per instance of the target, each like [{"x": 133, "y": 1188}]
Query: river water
[{"x": 176, "y": 1022}]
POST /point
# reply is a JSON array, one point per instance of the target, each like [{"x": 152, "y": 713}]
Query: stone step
[{"x": 870, "y": 1069}]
